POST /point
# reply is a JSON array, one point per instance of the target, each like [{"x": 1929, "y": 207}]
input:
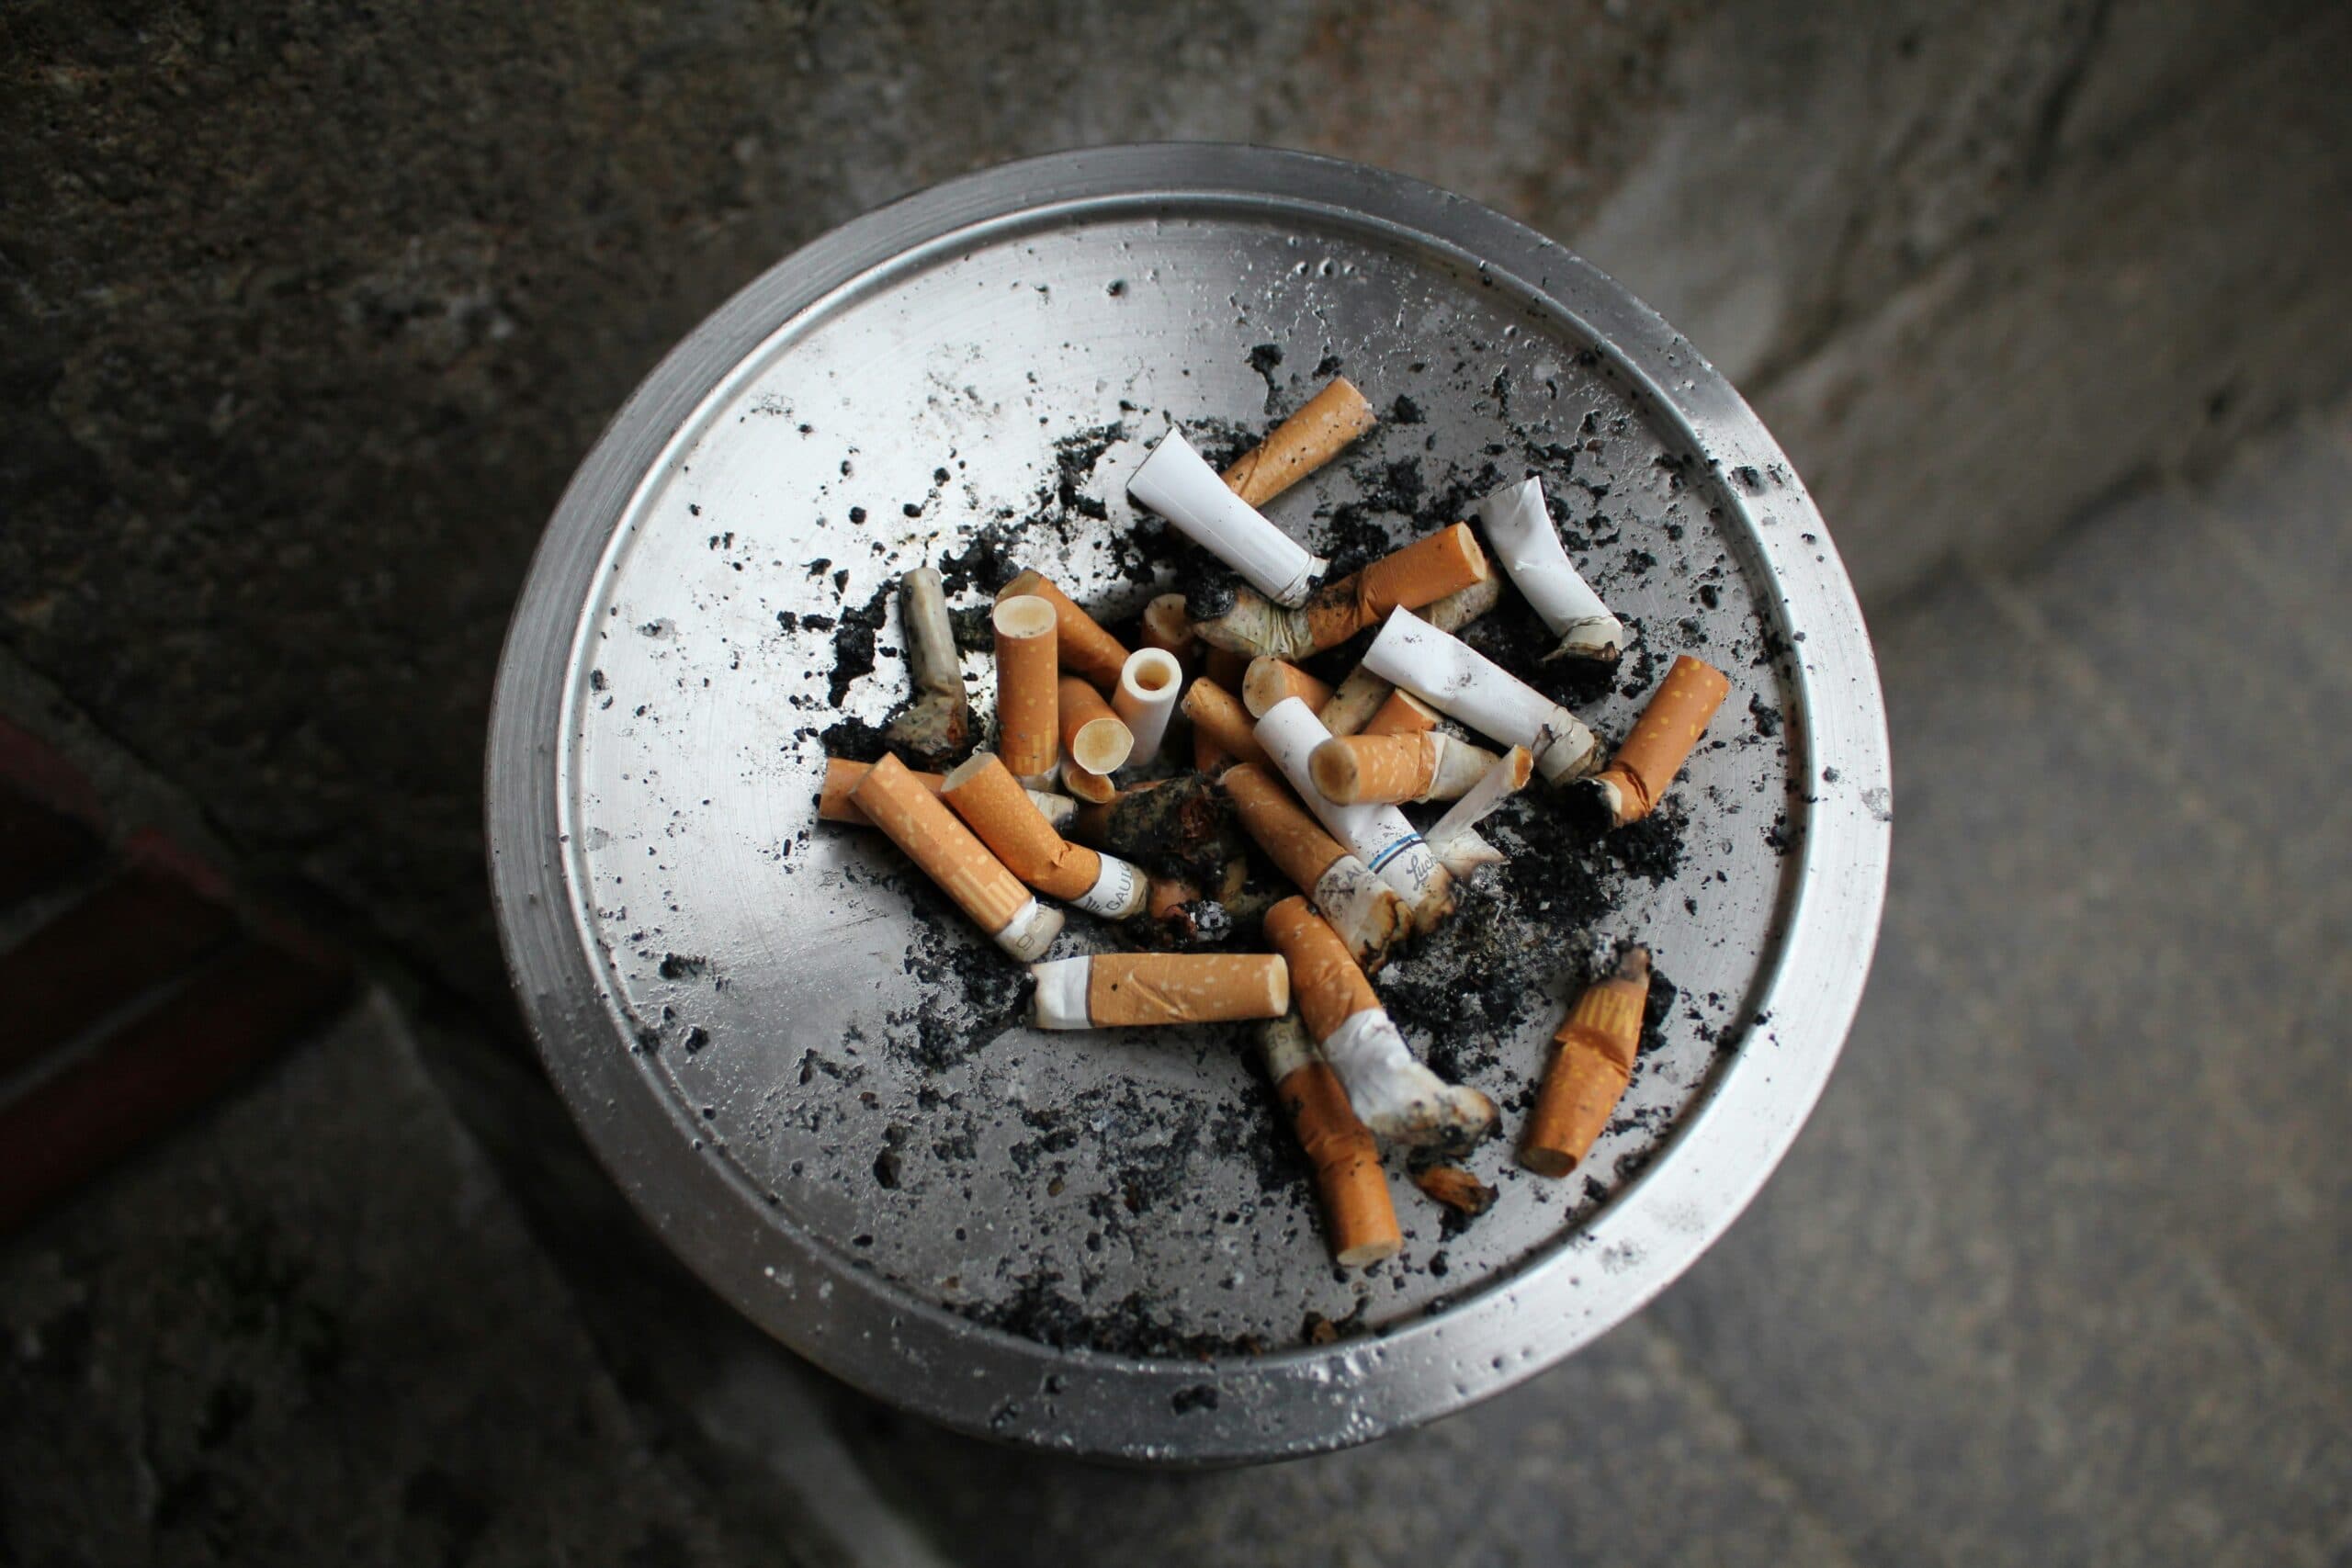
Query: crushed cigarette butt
[
  {"x": 1589, "y": 1072},
  {"x": 1359, "y": 1216},
  {"x": 1671, "y": 725}
]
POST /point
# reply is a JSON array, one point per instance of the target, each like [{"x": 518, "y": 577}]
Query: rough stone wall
[{"x": 307, "y": 310}]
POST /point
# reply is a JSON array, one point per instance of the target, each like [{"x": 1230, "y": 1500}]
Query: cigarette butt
[
  {"x": 1529, "y": 545},
  {"x": 935, "y": 723},
  {"x": 1455, "y": 1187},
  {"x": 958, "y": 861},
  {"x": 1167, "y": 625},
  {"x": 1093, "y": 735},
  {"x": 1369, "y": 915},
  {"x": 1107, "y": 990},
  {"x": 1303, "y": 442},
  {"x": 1509, "y": 774},
  {"x": 1089, "y": 788},
  {"x": 1359, "y": 1217},
  {"x": 1663, "y": 738},
  {"x": 1456, "y": 611},
  {"x": 1226, "y": 667},
  {"x": 1421, "y": 573},
  {"x": 1455, "y": 678},
  {"x": 1028, "y": 707},
  {"x": 1591, "y": 1070},
  {"x": 1269, "y": 680},
  {"x": 1356, "y": 769},
  {"x": 983, "y": 792},
  {"x": 1215, "y": 714},
  {"x": 834, "y": 804},
  {"x": 1378, "y": 835},
  {"x": 1085, "y": 648},
  {"x": 1401, "y": 713},
  {"x": 1354, "y": 701},
  {"x": 1332, "y": 986},
  {"x": 1146, "y": 699},
  {"x": 1176, "y": 482}
]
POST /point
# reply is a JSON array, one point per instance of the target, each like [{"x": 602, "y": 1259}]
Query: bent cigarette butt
[
  {"x": 951, "y": 856},
  {"x": 1116, "y": 990},
  {"x": 1359, "y": 1216},
  {"x": 1377, "y": 835},
  {"x": 1395, "y": 1094},
  {"x": 1422, "y": 573},
  {"x": 1466, "y": 852},
  {"x": 1455, "y": 678},
  {"x": 1350, "y": 769},
  {"x": 1146, "y": 699},
  {"x": 1455, "y": 1187},
  {"x": 1520, "y": 526},
  {"x": 983, "y": 792},
  {"x": 1167, "y": 625},
  {"x": 1670, "y": 724},
  {"x": 1088, "y": 788},
  {"x": 1085, "y": 649},
  {"x": 1269, "y": 680},
  {"x": 1509, "y": 774},
  {"x": 1370, "y": 916},
  {"x": 1401, "y": 713},
  {"x": 936, "y": 720},
  {"x": 1175, "y": 482},
  {"x": 1318, "y": 432},
  {"x": 1028, "y": 707},
  {"x": 834, "y": 804},
  {"x": 1215, "y": 714},
  {"x": 1591, "y": 1070},
  {"x": 1354, "y": 701},
  {"x": 1093, "y": 735}
]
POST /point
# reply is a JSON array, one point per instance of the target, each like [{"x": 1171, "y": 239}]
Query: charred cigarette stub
[
  {"x": 1028, "y": 708},
  {"x": 1588, "y": 1074},
  {"x": 915, "y": 820},
  {"x": 1395, "y": 1094},
  {"x": 1168, "y": 625},
  {"x": 1370, "y": 916},
  {"x": 1146, "y": 699},
  {"x": 1509, "y": 774},
  {"x": 1663, "y": 738},
  {"x": 834, "y": 804},
  {"x": 1107, "y": 990},
  {"x": 1222, "y": 721},
  {"x": 1529, "y": 547},
  {"x": 1359, "y": 1216},
  {"x": 1178, "y": 484},
  {"x": 1377, "y": 835},
  {"x": 1350, "y": 769},
  {"x": 1457, "y": 1188},
  {"x": 1455, "y": 678},
  {"x": 936, "y": 720},
  {"x": 984, "y": 792},
  {"x": 1422, "y": 573},
  {"x": 1302, "y": 444},
  {"x": 1084, "y": 648},
  {"x": 1269, "y": 680}
]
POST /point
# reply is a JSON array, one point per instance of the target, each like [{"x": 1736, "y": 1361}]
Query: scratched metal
[{"x": 720, "y": 985}]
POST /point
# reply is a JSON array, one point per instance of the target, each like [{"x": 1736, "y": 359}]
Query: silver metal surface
[{"x": 721, "y": 988}]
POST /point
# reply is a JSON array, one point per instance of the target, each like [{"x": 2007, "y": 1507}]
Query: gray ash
[
  {"x": 970, "y": 993},
  {"x": 855, "y": 740},
  {"x": 1039, "y": 1312},
  {"x": 854, "y": 641}
]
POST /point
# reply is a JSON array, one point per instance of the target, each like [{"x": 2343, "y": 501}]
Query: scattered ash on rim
[
  {"x": 1037, "y": 1311},
  {"x": 970, "y": 993}
]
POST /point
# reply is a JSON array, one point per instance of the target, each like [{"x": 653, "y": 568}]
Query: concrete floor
[{"x": 2056, "y": 1273}]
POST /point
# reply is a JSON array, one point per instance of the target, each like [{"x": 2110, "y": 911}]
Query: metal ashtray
[{"x": 819, "y": 1091}]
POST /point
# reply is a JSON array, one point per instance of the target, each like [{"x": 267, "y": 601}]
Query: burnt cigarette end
[{"x": 1455, "y": 1187}]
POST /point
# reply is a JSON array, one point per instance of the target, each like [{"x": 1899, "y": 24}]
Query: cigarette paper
[
  {"x": 1350, "y": 769},
  {"x": 834, "y": 804},
  {"x": 1377, "y": 835},
  {"x": 1506, "y": 778},
  {"x": 1269, "y": 680},
  {"x": 1589, "y": 1072},
  {"x": 958, "y": 861},
  {"x": 1422, "y": 573},
  {"x": 1455, "y": 678},
  {"x": 1395, "y": 1094},
  {"x": 1362, "y": 694},
  {"x": 1028, "y": 707},
  {"x": 1175, "y": 482},
  {"x": 1401, "y": 713},
  {"x": 1464, "y": 852},
  {"x": 1222, "y": 721},
  {"x": 1085, "y": 649},
  {"x": 1167, "y": 625},
  {"x": 936, "y": 720},
  {"x": 1104, "y": 990},
  {"x": 1529, "y": 547},
  {"x": 1303, "y": 442},
  {"x": 984, "y": 792},
  {"x": 1093, "y": 735},
  {"x": 1663, "y": 737},
  {"x": 1358, "y": 1214},
  {"x": 1146, "y": 699},
  {"x": 1369, "y": 915}
]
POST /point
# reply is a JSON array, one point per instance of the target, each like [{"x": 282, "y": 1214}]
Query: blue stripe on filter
[{"x": 1398, "y": 848}]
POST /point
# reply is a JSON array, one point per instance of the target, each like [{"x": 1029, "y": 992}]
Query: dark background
[{"x": 306, "y": 312}]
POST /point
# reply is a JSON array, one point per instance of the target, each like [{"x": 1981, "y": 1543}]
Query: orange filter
[
  {"x": 1330, "y": 987},
  {"x": 897, "y": 803},
  {"x": 1401, "y": 713},
  {"x": 1086, "y": 649},
  {"x": 1216, "y": 715},
  {"x": 1662, "y": 738},
  {"x": 1302, "y": 444},
  {"x": 1094, "y": 737},
  {"x": 983, "y": 792},
  {"x": 841, "y": 775},
  {"x": 1369, "y": 915},
  {"x": 1355, "y": 769},
  {"x": 1028, "y": 712},
  {"x": 1590, "y": 1073},
  {"x": 1167, "y": 625},
  {"x": 1358, "y": 1215},
  {"x": 1107, "y": 990},
  {"x": 1269, "y": 680}
]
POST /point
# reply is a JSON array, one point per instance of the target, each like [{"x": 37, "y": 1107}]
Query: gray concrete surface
[{"x": 306, "y": 313}]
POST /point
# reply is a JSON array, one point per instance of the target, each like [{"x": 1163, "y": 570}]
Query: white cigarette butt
[{"x": 1176, "y": 482}]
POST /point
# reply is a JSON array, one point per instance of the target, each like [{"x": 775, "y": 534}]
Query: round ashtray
[{"x": 814, "y": 1080}]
